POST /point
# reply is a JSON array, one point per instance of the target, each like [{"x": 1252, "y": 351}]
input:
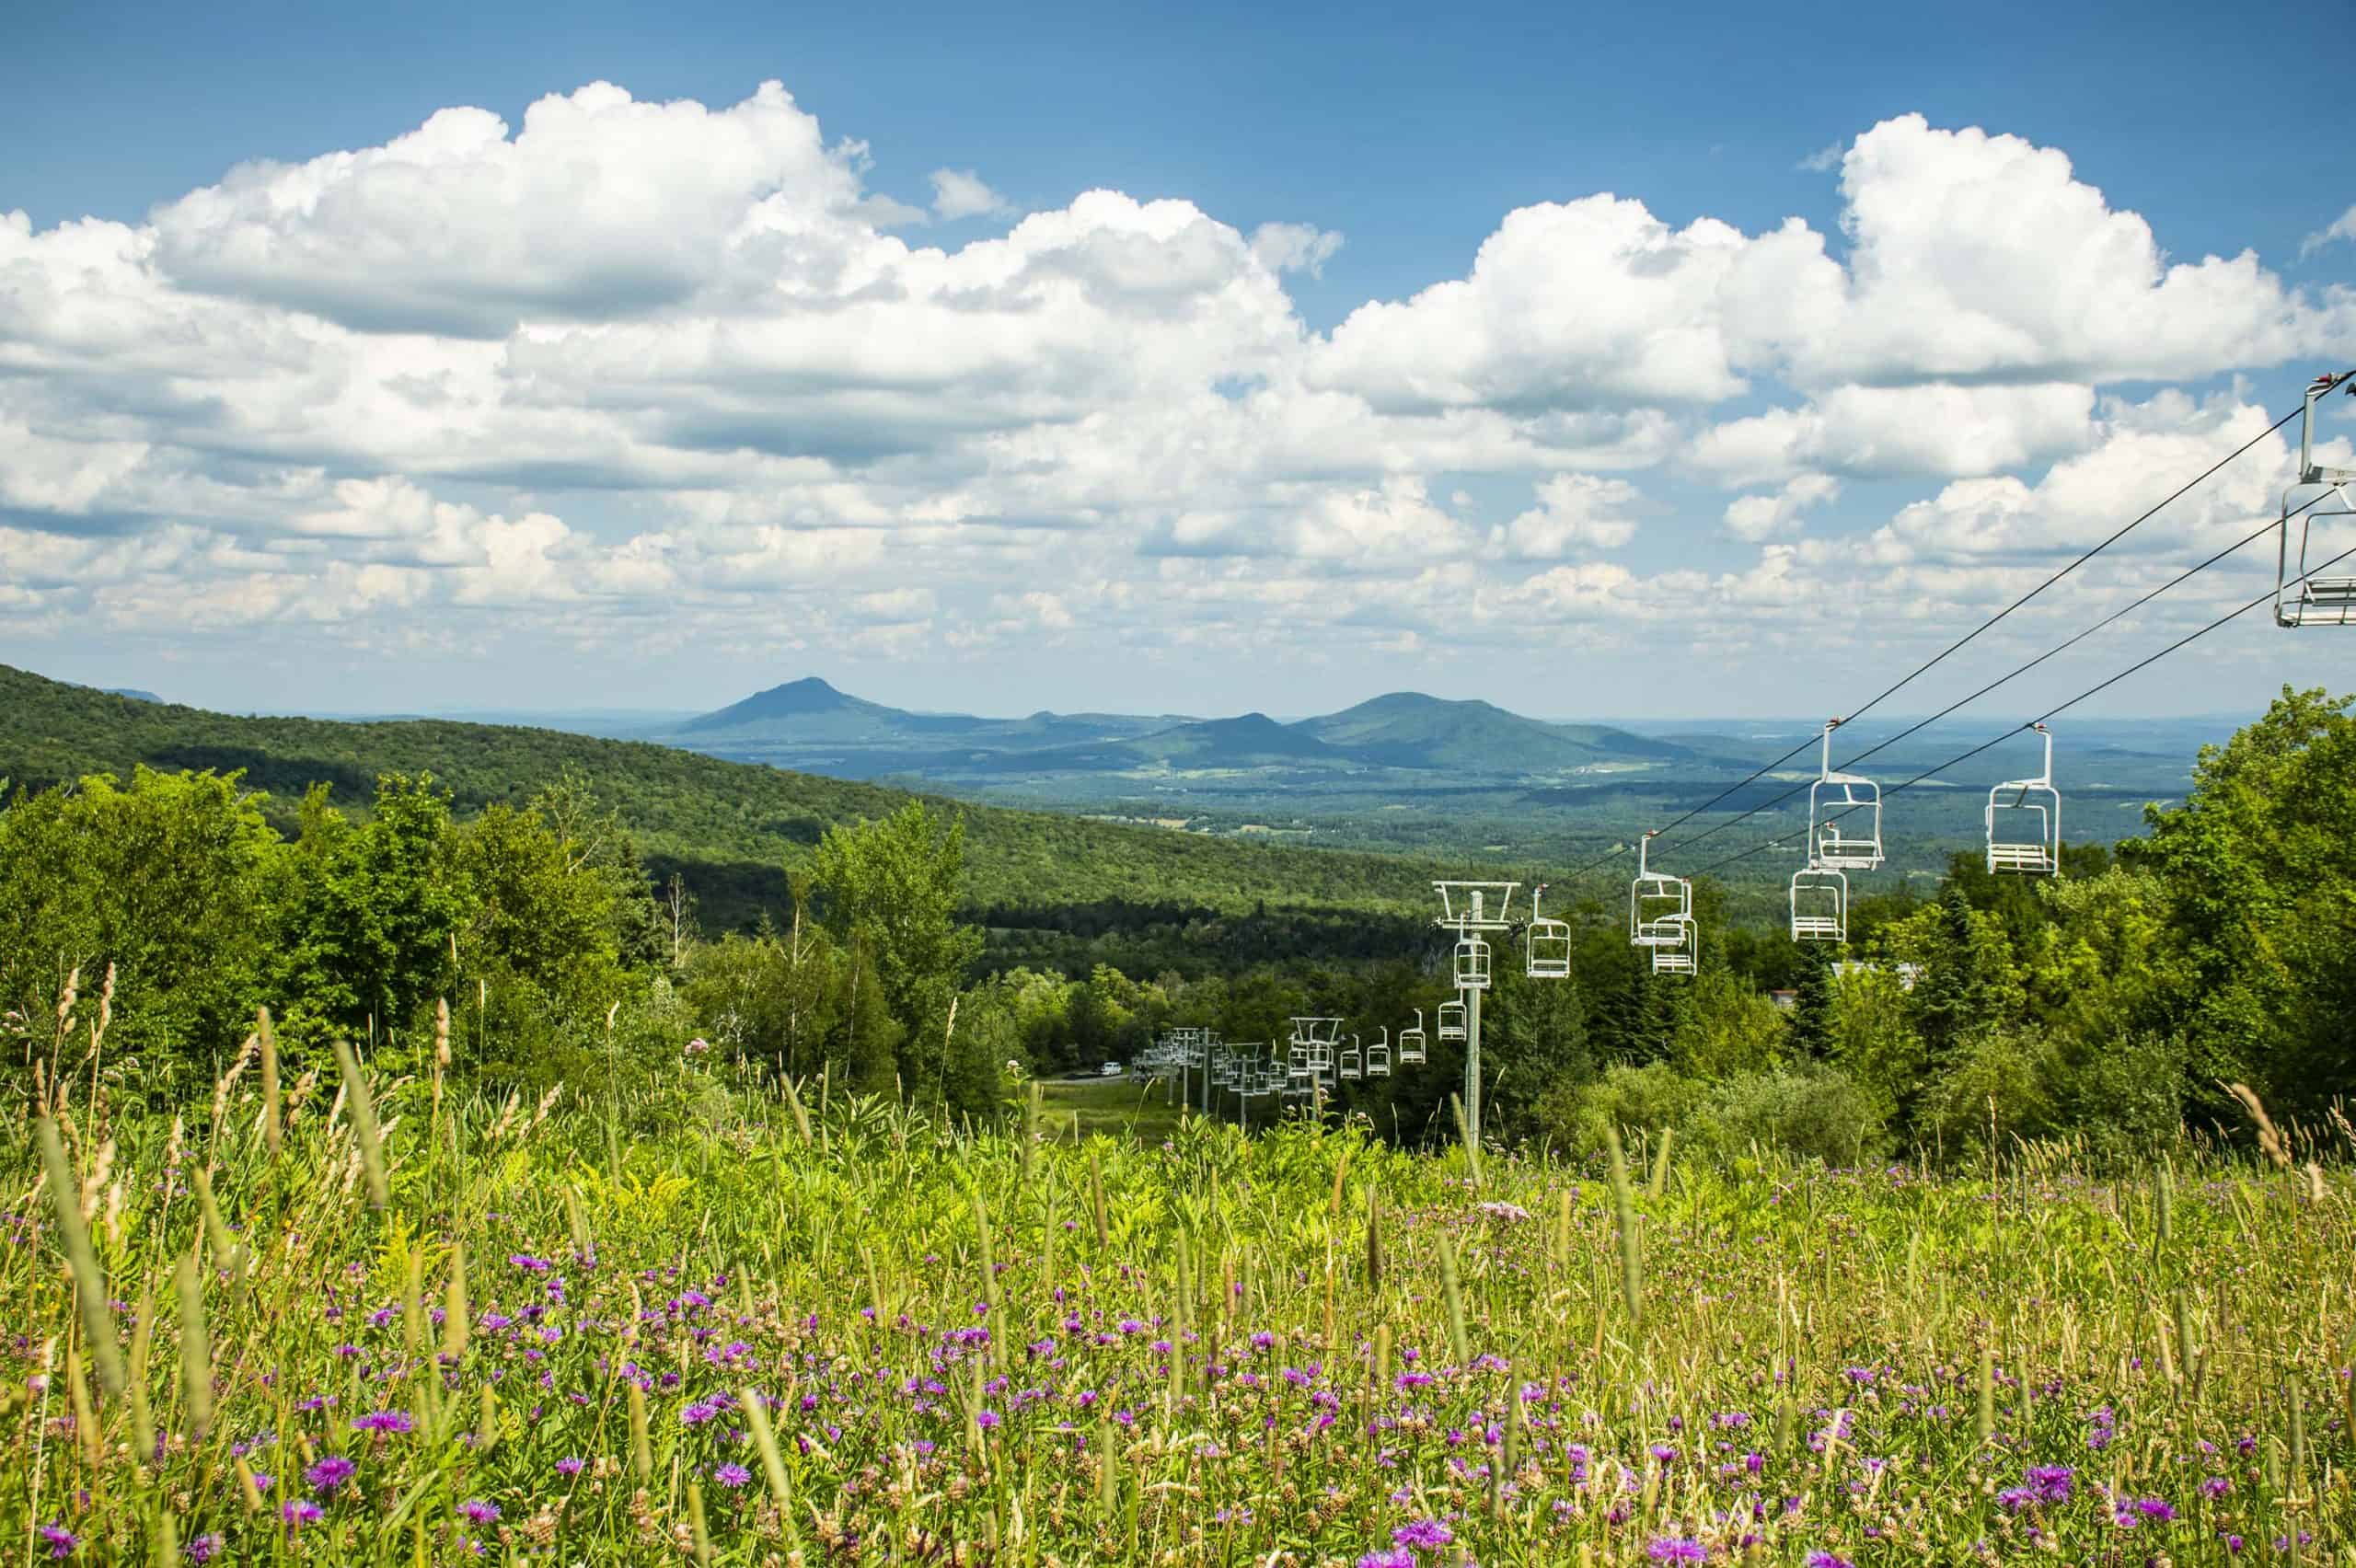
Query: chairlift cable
[
  {"x": 2140, "y": 664},
  {"x": 2059, "y": 647},
  {"x": 1959, "y": 643}
]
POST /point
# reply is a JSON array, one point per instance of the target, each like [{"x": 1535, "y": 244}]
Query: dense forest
[
  {"x": 536, "y": 915},
  {"x": 734, "y": 830}
]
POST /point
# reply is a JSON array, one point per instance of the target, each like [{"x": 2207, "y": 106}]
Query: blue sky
[{"x": 218, "y": 542}]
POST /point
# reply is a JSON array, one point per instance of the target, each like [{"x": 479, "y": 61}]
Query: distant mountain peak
[{"x": 811, "y": 694}]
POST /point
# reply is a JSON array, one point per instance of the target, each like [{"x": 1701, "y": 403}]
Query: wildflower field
[{"x": 327, "y": 1326}]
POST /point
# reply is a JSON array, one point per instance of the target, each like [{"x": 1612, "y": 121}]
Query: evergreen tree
[{"x": 1810, "y": 1038}]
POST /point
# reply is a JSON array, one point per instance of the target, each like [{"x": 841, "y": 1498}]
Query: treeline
[
  {"x": 535, "y": 942},
  {"x": 733, "y": 830},
  {"x": 2114, "y": 1003},
  {"x": 144, "y": 925}
]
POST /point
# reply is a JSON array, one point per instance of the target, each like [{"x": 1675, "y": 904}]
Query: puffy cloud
[
  {"x": 1295, "y": 248},
  {"x": 646, "y": 375},
  {"x": 1940, "y": 428},
  {"x": 1575, "y": 512},
  {"x": 1755, "y": 518},
  {"x": 2145, "y": 450},
  {"x": 1974, "y": 263},
  {"x": 600, "y": 207},
  {"x": 961, "y": 193},
  {"x": 1572, "y": 304},
  {"x": 1984, "y": 256}
]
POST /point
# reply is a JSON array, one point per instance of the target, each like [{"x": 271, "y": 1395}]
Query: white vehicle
[{"x": 1112, "y": 1069}]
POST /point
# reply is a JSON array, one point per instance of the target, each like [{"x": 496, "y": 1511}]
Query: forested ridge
[
  {"x": 731, "y": 828},
  {"x": 519, "y": 907}
]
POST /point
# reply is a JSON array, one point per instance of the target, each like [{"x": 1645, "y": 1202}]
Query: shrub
[
  {"x": 1809, "y": 1112},
  {"x": 1632, "y": 1099}
]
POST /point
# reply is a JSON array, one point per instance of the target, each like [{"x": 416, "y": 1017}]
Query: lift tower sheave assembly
[{"x": 1473, "y": 910}]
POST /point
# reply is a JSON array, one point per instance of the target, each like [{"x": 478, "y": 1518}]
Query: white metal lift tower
[{"x": 1473, "y": 910}]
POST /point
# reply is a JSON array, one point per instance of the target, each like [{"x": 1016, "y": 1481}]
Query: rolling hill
[
  {"x": 731, "y": 828},
  {"x": 1407, "y": 729},
  {"x": 808, "y": 724}
]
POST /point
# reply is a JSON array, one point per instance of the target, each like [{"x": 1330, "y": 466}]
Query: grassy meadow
[{"x": 332, "y": 1320}]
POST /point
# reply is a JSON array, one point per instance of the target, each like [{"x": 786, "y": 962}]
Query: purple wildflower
[
  {"x": 1429, "y": 1534},
  {"x": 732, "y": 1476},
  {"x": 479, "y": 1511},
  {"x": 301, "y": 1511},
  {"x": 1678, "y": 1549},
  {"x": 394, "y": 1422},
  {"x": 2051, "y": 1483},
  {"x": 61, "y": 1541},
  {"x": 329, "y": 1473},
  {"x": 204, "y": 1548}
]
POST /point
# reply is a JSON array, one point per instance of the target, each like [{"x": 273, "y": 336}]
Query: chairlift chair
[
  {"x": 1833, "y": 801},
  {"x": 1353, "y": 1060},
  {"x": 1546, "y": 944},
  {"x": 1472, "y": 964},
  {"x": 2024, "y": 832},
  {"x": 1820, "y": 905},
  {"x": 1411, "y": 1043},
  {"x": 2300, "y": 597},
  {"x": 1682, "y": 956},
  {"x": 1452, "y": 1021},
  {"x": 1377, "y": 1057},
  {"x": 1298, "y": 1064},
  {"x": 1660, "y": 907}
]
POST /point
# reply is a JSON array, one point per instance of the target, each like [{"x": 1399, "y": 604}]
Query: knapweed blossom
[
  {"x": 329, "y": 1473},
  {"x": 1429, "y": 1534}
]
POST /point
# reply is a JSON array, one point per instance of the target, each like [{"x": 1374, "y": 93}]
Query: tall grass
[{"x": 845, "y": 1333}]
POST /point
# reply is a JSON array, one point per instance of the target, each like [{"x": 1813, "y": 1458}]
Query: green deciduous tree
[
  {"x": 890, "y": 889},
  {"x": 2258, "y": 866},
  {"x": 166, "y": 882}
]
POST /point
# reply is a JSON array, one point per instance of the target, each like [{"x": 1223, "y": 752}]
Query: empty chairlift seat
[
  {"x": 1546, "y": 944},
  {"x": 1472, "y": 964},
  {"x": 1411, "y": 1043},
  {"x": 1452, "y": 1020},
  {"x": 1843, "y": 816},
  {"x": 2024, "y": 820},
  {"x": 1319, "y": 1038},
  {"x": 1353, "y": 1060},
  {"x": 1661, "y": 907},
  {"x": 1378, "y": 1057},
  {"x": 1820, "y": 905},
  {"x": 1682, "y": 956},
  {"x": 2314, "y": 586}
]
